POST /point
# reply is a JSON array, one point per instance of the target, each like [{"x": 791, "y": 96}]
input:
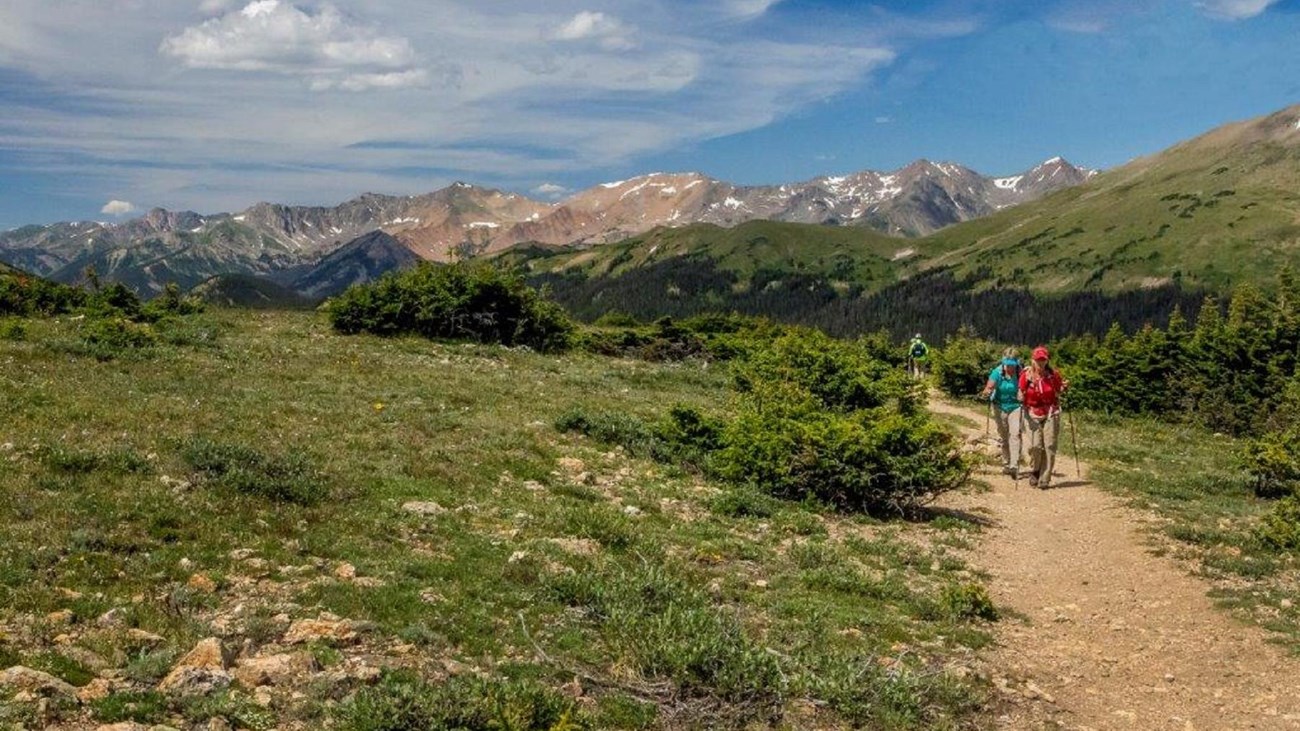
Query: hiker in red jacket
[{"x": 1041, "y": 387}]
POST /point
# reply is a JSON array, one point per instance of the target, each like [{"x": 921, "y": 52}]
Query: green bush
[
  {"x": 840, "y": 375},
  {"x": 470, "y": 301},
  {"x": 13, "y": 329},
  {"x": 23, "y": 296},
  {"x": 878, "y": 461},
  {"x": 962, "y": 366},
  {"x": 1273, "y": 463},
  {"x": 171, "y": 303},
  {"x": 968, "y": 601},
  {"x": 1280, "y": 529},
  {"x": 246, "y": 470},
  {"x": 685, "y": 436}
]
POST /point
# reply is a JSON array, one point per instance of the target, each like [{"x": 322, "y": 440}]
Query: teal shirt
[{"x": 1006, "y": 389}]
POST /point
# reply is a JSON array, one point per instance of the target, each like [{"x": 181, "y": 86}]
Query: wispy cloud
[
  {"x": 1235, "y": 9},
  {"x": 608, "y": 31},
  {"x": 748, "y": 8}
]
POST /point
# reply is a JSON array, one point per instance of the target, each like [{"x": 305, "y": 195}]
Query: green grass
[
  {"x": 1192, "y": 479},
  {"x": 270, "y": 451}
]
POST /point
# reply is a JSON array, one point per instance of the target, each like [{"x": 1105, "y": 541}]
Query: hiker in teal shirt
[{"x": 1003, "y": 393}]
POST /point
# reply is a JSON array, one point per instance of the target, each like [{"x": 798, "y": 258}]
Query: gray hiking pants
[
  {"x": 1009, "y": 428},
  {"x": 1042, "y": 446}
]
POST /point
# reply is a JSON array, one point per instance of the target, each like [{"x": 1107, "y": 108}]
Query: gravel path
[{"x": 1111, "y": 636}]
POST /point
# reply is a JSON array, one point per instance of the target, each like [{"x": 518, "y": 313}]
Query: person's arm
[{"x": 988, "y": 389}]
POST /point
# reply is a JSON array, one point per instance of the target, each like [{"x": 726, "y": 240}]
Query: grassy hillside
[
  {"x": 751, "y": 252},
  {"x": 382, "y": 533},
  {"x": 1217, "y": 210}
]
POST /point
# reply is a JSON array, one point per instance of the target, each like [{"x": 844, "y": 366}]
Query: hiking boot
[{"x": 1033, "y": 479}]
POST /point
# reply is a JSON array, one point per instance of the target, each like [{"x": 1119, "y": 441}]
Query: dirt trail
[{"x": 1113, "y": 637}]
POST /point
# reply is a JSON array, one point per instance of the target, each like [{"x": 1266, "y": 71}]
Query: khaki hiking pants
[
  {"x": 1042, "y": 446},
  {"x": 1010, "y": 426}
]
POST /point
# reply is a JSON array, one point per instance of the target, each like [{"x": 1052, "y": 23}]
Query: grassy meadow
[{"x": 400, "y": 521}]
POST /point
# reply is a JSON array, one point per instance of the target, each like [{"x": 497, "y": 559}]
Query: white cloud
[
  {"x": 608, "y": 31},
  {"x": 884, "y": 119},
  {"x": 1235, "y": 9},
  {"x": 748, "y": 8},
  {"x": 332, "y": 49},
  {"x": 117, "y": 208},
  {"x": 550, "y": 190}
]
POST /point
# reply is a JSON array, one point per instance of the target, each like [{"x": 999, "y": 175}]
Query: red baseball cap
[{"x": 1040, "y": 353}]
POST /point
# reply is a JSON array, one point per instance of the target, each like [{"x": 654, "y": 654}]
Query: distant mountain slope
[
  {"x": 247, "y": 291},
  {"x": 362, "y": 260},
  {"x": 1219, "y": 209},
  {"x": 280, "y": 241}
]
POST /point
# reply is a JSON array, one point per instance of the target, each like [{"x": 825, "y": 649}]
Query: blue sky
[{"x": 110, "y": 107}]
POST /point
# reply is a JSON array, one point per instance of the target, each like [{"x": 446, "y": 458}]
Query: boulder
[
  {"x": 35, "y": 682},
  {"x": 200, "y": 672}
]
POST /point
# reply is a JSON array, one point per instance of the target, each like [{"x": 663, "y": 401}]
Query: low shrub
[
  {"x": 470, "y": 301},
  {"x": 402, "y": 701},
  {"x": 665, "y": 628},
  {"x": 1273, "y": 463},
  {"x": 840, "y": 375},
  {"x": 1280, "y": 529},
  {"x": 686, "y": 436},
  {"x": 968, "y": 601},
  {"x": 875, "y": 461},
  {"x": 245, "y": 470}
]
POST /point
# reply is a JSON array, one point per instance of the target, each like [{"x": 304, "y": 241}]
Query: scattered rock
[
  {"x": 200, "y": 672},
  {"x": 517, "y": 556},
  {"x": 571, "y": 466},
  {"x": 631, "y": 511},
  {"x": 327, "y": 628},
  {"x": 124, "y": 726},
  {"x": 263, "y": 697},
  {"x": 423, "y": 508},
  {"x": 112, "y": 619},
  {"x": 240, "y": 554},
  {"x": 35, "y": 682},
  {"x": 95, "y": 690},
  {"x": 200, "y": 582},
  {"x": 61, "y": 617},
  {"x": 255, "y": 672},
  {"x": 346, "y": 571},
  {"x": 140, "y": 637}
]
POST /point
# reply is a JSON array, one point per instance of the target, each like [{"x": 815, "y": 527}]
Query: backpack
[{"x": 919, "y": 350}]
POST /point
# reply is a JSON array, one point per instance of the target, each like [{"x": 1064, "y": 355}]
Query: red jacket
[{"x": 1041, "y": 396}]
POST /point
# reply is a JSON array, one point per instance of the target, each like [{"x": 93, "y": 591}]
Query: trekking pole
[{"x": 1074, "y": 441}]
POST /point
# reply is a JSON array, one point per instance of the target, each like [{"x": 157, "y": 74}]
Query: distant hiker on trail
[
  {"x": 918, "y": 357},
  {"x": 1041, "y": 387},
  {"x": 1003, "y": 393}
]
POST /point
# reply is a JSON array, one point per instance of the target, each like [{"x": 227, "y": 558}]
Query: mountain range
[{"x": 317, "y": 251}]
